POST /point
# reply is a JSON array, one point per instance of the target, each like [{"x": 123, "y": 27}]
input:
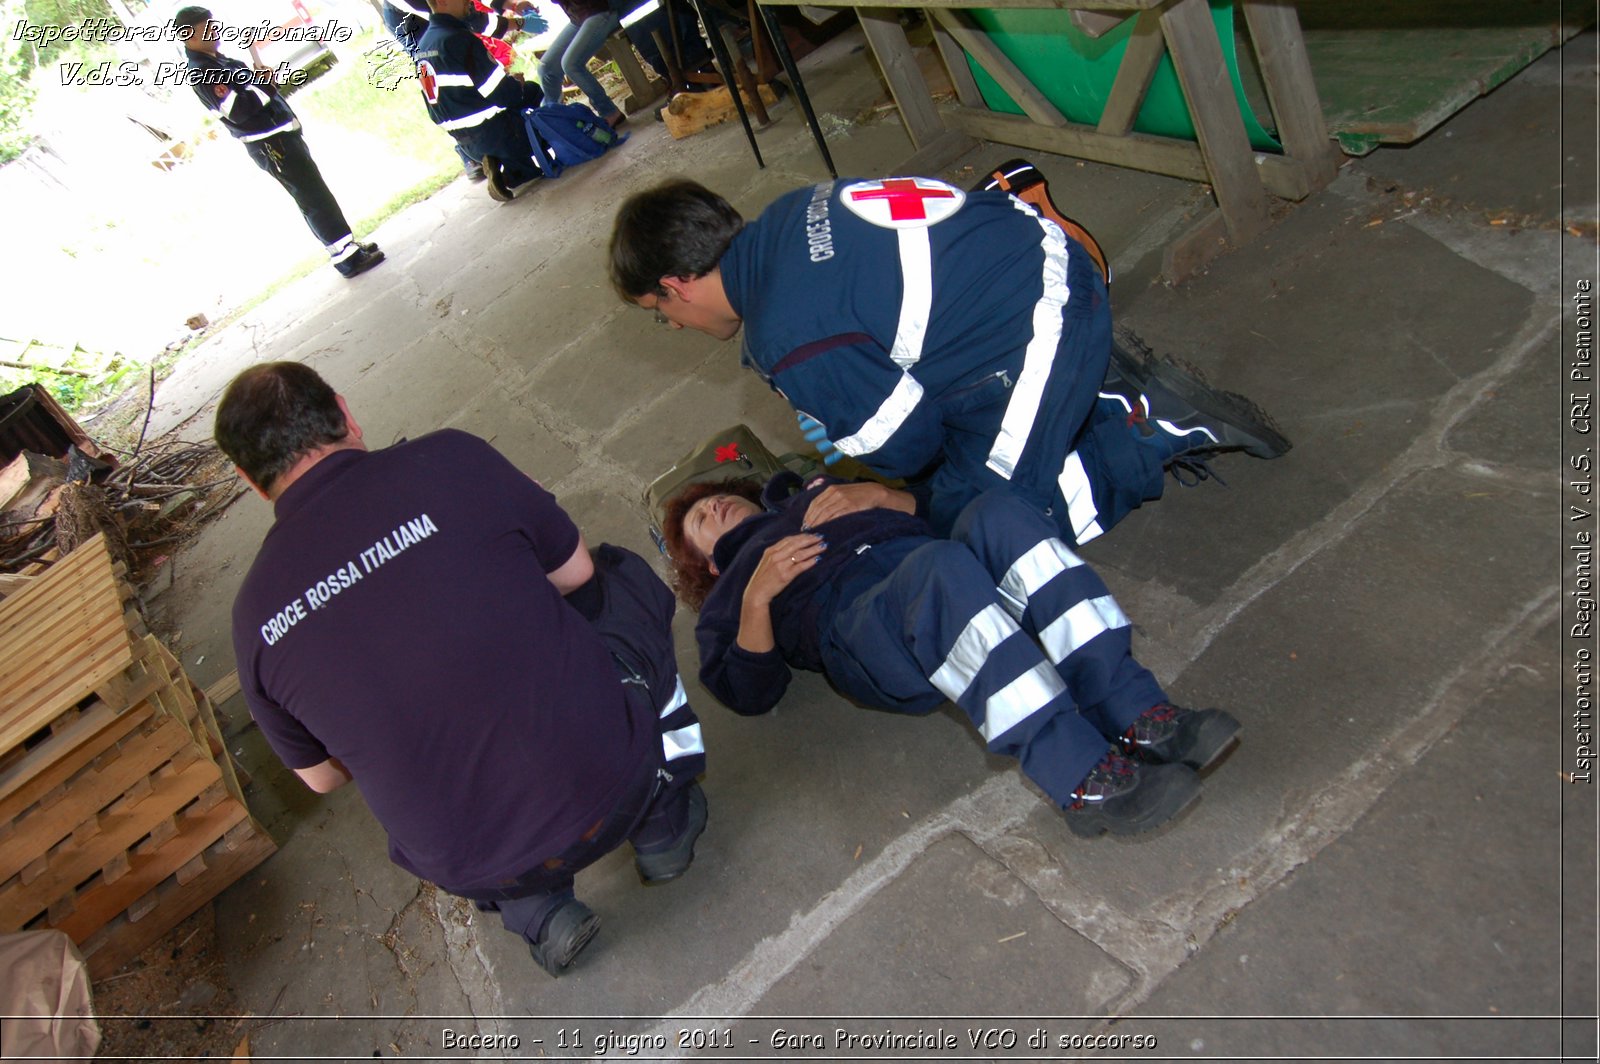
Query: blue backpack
[{"x": 568, "y": 134}]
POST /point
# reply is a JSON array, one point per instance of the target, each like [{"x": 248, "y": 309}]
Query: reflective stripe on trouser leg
[
  {"x": 682, "y": 749},
  {"x": 1061, "y": 601},
  {"x": 936, "y": 621}
]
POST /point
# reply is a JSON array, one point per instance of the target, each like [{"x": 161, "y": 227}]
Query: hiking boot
[
  {"x": 1125, "y": 797},
  {"x": 474, "y": 174},
  {"x": 1023, "y": 180},
  {"x": 1170, "y": 406},
  {"x": 568, "y": 930},
  {"x": 366, "y": 257},
  {"x": 1171, "y": 735},
  {"x": 673, "y": 858},
  {"x": 498, "y": 190}
]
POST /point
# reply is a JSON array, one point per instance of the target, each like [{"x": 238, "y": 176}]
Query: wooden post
[
  {"x": 1197, "y": 57},
  {"x": 1286, "y": 70},
  {"x": 906, "y": 83}
]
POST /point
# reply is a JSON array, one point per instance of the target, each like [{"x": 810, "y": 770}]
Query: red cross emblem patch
[
  {"x": 903, "y": 202},
  {"x": 428, "y": 81}
]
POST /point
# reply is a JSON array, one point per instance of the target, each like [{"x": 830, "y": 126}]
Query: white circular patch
[{"x": 903, "y": 202}]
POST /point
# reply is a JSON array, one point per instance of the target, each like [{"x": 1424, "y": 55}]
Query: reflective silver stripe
[
  {"x": 1074, "y": 485},
  {"x": 229, "y": 101},
  {"x": 1020, "y": 699},
  {"x": 1022, "y": 409},
  {"x": 1166, "y": 426},
  {"x": 495, "y": 26},
  {"x": 916, "y": 299},
  {"x": 1046, "y": 560},
  {"x": 288, "y": 127},
  {"x": 679, "y": 699},
  {"x": 987, "y": 630},
  {"x": 492, "y": 81},
  {"x": 343, "y": 249},
  {"x": 887, "y": 421},
  {"x": 477, "y": 118},
  {"x": 462, "y": 80},
  {"x": 682, "y": 743},
  {"x": 1081, "y": 623}
]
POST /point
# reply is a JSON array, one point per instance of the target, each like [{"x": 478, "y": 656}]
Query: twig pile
[{"x": 159, "y": 495}]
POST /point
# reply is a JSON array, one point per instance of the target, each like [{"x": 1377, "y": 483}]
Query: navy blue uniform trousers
[
  {"x": 632, "y": 611},
  {"x": 1006, "y": 622},
  {"x": 286, "y": 157}
]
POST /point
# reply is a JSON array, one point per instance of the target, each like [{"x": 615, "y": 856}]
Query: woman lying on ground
[{"x": 1002, "y": 619}]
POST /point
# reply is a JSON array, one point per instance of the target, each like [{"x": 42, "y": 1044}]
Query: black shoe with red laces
[
  {"x": 1127, "y": 797},
  {"x": 1171, "y": 735}
]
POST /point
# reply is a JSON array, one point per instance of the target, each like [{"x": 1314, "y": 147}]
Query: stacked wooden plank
[{"x": 120, "y": 813}]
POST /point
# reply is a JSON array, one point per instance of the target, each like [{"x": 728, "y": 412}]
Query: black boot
[
  {"x": 1125, "y": 797},
  {"x": 1171, "y": 407}
]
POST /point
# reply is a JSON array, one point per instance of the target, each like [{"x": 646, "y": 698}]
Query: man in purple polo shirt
[{"x": 426, "y": 620}]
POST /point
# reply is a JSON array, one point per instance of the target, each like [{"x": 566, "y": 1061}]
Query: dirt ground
[{"x": 174, "y": 1000}]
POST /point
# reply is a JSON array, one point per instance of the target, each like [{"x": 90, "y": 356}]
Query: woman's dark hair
[
  {"x": 272, "y": 414},
  {"x": 691, "y": 571},
  {"x": 677, "y": 229}
]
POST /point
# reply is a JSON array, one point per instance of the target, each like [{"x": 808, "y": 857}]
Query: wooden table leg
[
  {"x": 906, "y": 83},
  {"x": 1230, "y": 161}
]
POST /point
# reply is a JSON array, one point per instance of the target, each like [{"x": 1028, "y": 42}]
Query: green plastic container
[{"x": 1075, "y": 71}]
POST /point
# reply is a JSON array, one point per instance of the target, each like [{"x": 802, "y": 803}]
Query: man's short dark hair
[
  {"x": 677, "y": 229},
  {"x": 188, "y": 18},
  {"x": 272, "y": 414}
]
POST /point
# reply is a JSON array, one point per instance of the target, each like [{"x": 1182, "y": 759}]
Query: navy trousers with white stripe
[
  {"x": 287, "y": 159},
  {"x": 1007, "y": 623},
  {"x": 631, "y": 609}
]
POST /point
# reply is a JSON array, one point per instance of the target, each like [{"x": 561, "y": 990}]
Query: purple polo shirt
[{"x": 399, "y": 618}]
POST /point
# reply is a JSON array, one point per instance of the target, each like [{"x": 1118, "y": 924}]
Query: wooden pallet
[{"x": 120, "y": 812}]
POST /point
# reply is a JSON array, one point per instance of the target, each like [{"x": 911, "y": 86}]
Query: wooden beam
[
  {"x": 955, "y": 63},
  {"x": 899, "y": 64},
  {"x": 1187, "y": 254},
  {"x": 1137, "y": 151},
  {"x": 1146, "y": 46},
  {"x": 989, "y": 56},
  {"x": 1291, "y": 90},
  {"x": 1208, "y": 88},
  {"x": 940, "y": 152},
  {"x": 1096, "y": 24}
]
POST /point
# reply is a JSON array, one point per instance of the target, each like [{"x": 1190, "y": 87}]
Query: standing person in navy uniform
[
  {"x": 472, "y": 98},
  {"x": 959, "y": 340},
  {"x": 427, "y": 621},
  {"x": 407, "y": 20},
  {"x": 255, "y": 112}
]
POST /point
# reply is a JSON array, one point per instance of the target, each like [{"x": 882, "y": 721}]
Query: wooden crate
[{"x": 120, "y": 812}]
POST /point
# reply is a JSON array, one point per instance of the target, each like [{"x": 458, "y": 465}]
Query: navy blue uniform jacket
[{"x": 962, "y": 344}]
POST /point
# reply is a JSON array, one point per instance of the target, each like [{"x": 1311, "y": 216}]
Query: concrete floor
[{"x": 1388, "y": 866}]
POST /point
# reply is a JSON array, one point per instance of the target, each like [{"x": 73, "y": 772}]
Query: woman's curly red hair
[{"x": 692, "y": 577}]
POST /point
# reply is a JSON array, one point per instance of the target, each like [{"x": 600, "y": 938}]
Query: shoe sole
[
  {"x": 372, "y": 260},
  {"x": 581, "y": 937},
  {"x": 1180, "y": 791},
  {"x": 1134, "y": 360},
  {"x": 698, "y": 813},
  {"x": 497, "y": 187},
  {"x": 1216, "y": 747}
]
